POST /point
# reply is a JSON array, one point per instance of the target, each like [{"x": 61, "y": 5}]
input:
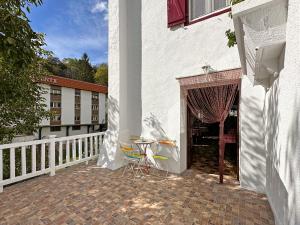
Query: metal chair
[
  {"x": 159, "y": 157},
  {"x": 132, "y": 157}
]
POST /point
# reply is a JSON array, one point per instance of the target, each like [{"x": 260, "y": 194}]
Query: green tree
[
  {"x": 21, "y": 104},
  {"x": 229, "y": 33},
  {"x": 86, "y": 70},
  {"x": 101, "y": 75},
  {"x": 54, "y": 66},
  {"x": 72, "y": 68},
  {"x": 80, "y": 69}
]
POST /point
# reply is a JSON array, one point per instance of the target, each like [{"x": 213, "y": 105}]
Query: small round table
[{"x": 143, "y": 145}]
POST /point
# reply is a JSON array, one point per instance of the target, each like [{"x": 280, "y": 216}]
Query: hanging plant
[{"x": 229, "y": 33}]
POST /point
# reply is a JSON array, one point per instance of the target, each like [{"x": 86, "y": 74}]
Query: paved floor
[
  {"x": 206, "y": 157},
  {"x": 89, "y": 195}
]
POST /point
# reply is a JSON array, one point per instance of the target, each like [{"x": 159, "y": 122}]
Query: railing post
[
  {"x": 52, "y": 155},
  {"x": 86, "y": 150}
]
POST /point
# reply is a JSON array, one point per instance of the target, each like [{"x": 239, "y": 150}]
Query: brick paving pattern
[{"x": 89, "y": 195}]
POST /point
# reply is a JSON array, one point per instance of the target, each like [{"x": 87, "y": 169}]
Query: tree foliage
[
  {"x": 79, "y": 69},
  {"x": 101, "y": 75},
  {"x": 21, "y": 103},
  {"x": 229, "y": 33},
  {"x": 86, "y": 71},
  {"x": 54, "y": 66}
]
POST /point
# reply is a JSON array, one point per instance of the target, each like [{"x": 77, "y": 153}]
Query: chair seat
[
  {"x": 134, "y": 156},
  {"x": 167, "y": 142},
  {"x": 161, "y": 157}
]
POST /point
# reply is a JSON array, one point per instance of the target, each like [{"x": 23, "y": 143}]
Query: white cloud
[
  {"x": 77, "y": 30},
  {"x": 100, "y": 6}
]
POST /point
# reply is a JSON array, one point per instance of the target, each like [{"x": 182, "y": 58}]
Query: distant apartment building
[{"x": 78, "y": 107}]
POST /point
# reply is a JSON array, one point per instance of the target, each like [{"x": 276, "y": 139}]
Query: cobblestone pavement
[{"x": 90, "y": 195}]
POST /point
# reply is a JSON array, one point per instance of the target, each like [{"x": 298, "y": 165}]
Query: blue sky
[{"x": 73, "y": 27}]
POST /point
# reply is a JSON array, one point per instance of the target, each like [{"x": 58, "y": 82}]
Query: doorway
[{"x": 203, "y": 143}]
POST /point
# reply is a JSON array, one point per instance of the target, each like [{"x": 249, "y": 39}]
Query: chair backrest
[
  {"x": 167, "y": 142},
  {"x": 126, "y": 148},
  {"x": 129, "y": 151}
]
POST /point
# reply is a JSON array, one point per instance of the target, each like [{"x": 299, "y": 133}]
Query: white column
[{"x": 124, "y": 71}]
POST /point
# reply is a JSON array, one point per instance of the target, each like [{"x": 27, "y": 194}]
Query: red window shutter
[{"x": 176, "y": 12}]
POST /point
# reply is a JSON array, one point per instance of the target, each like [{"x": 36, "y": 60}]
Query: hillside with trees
[{"x": 79, "y": 69}]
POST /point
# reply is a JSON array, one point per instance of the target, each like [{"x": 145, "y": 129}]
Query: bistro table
[{"x": 143, "y": 145}]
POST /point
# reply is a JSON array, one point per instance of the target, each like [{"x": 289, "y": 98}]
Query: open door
[{"x": 209, "y": 99}]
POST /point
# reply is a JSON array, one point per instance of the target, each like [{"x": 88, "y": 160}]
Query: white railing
[{"x": 24, "y": 160}]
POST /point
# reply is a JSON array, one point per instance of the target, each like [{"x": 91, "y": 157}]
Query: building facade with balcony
[
  {"x": 78, "y": 107},
  {"x": 158, "y": 48}
]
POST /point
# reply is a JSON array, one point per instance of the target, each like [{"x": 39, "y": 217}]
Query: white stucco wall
[
  {"x": 170, "y": 53},
  {"x": 86, "y": 107},
  {"x": 83, "y": 130},
  {"x": 102, "y": 108},
  {"x": 46, "y": 132},
  {"x": 283, "y": 128},
  {"x": 67, "y": 105},
  {"x": 252, "y": 145}
]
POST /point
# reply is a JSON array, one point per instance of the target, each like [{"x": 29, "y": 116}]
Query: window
[
  {"x": 55, "y": 129},
  {"x": 55, "y": 104},
  {"x": 77, "y": 118},
  {"x": 77, "y": 106},
  {"x": 94, "y": 107},
  {"x": 75, "y": 127},
  {"x": 77, "y": 93},
  {"x": 200, "y": 8},
  {"x": 56, "y": 118},
  {"x": 95, "y": 96},
  {"x": 55, "y": 91},
  {"x": 95, "y": 118}
]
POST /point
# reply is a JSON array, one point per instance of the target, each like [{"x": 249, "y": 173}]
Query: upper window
[
  {"x": 95, "y": 96},
  {"x": 199, "y": 8},
  {"x": 77, "y": 92},
  {"x": 55, "y": 91}
]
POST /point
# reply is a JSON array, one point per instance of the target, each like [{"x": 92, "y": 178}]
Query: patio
[{"x": 85, "y": 194}]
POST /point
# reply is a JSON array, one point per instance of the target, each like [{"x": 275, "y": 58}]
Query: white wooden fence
[{"x": 34, "y": 158}]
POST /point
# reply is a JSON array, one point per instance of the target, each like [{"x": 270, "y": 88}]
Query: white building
[
  {"x": 78, "y": 107},
  {"x": 154, "y": 43}
]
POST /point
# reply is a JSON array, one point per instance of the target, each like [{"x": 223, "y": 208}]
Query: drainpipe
[
  {"x": 67, "y": 131},
  {"x": 40, "y": 133}
]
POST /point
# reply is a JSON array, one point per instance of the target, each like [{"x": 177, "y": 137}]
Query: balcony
[{"x": 87, "y": 194}]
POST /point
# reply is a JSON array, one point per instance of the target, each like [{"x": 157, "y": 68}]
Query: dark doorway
[{"x": 203, "y": 144}]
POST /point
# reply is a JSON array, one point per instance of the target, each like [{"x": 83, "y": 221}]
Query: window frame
[
  {"x": 55, "y": 90},
  {"x": 76, "y": 127},
  {"x": 55, "y": 128},
  {"x": 77, "y": 92},
  {"x": 55, "y": 105},
  {"x": 205, "y": 16}
]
